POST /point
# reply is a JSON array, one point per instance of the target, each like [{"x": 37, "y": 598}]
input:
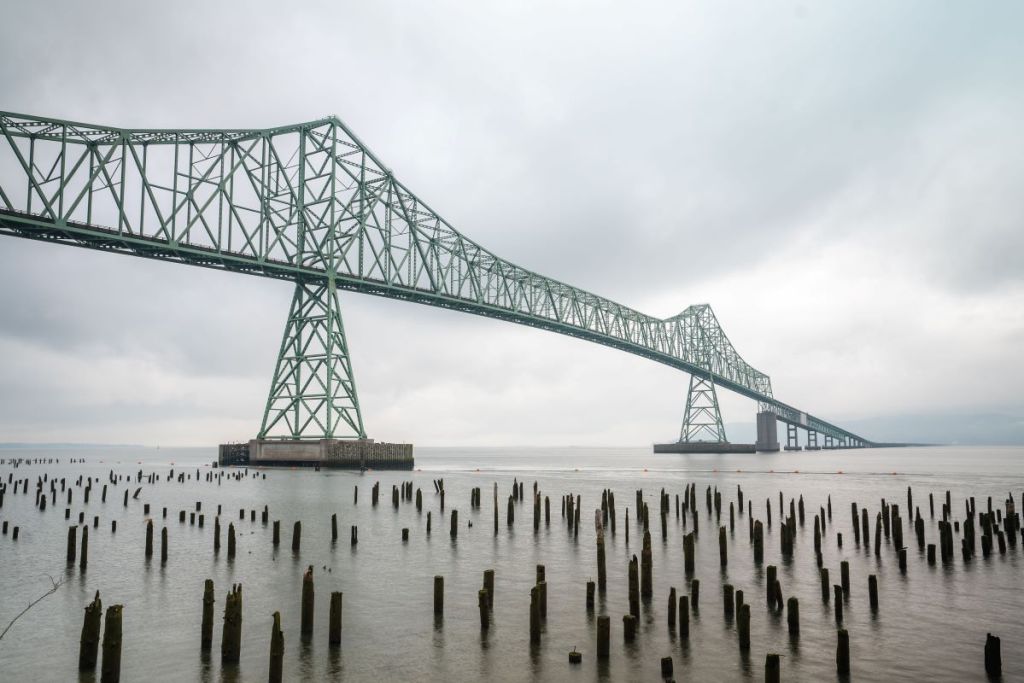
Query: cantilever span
[{"x": 310, "y": 203}]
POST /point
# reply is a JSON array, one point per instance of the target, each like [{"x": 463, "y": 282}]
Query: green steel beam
[{"x": 310, "y": 203}]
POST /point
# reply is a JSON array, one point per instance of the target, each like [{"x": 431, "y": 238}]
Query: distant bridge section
[{"x": 310, "y": 203}]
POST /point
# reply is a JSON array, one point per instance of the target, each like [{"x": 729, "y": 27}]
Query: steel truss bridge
[{"x": 311, "y": 204}]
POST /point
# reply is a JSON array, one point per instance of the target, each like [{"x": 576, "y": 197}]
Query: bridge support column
[
  {"x": 792, "y": 442},
  {"x": 703, "y": 420},
  {"x": 313, "y": 394},
  {"x": 812, "y": 441},
  {"x": 767, "y": 431}
]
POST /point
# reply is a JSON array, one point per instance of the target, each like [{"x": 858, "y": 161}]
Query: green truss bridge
[{"x": 311, "y": 204}]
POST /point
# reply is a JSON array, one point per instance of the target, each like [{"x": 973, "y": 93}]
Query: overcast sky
[{"x": 841, "y": 181}]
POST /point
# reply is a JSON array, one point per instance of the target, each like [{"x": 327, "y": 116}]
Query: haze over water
[{"x": 931, "y": 622}]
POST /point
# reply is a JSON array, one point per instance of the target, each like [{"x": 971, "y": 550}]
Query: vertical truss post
[
  {"x": 703, "y": 419},
  {"x": 313, "y": 393}
]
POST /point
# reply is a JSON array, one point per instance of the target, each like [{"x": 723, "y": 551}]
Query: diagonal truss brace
[
  {"x": 313, "y": 394},
  {"x": 703, "y": 419}
]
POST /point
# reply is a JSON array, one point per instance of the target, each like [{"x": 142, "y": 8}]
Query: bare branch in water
[{"x": 56, "y": 584}]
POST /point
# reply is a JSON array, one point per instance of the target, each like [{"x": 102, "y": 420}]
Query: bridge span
[{"x": 311, "y": 204}]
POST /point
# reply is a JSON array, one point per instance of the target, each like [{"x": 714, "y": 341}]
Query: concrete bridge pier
[
  {"x": 767, "y": 432},
  {"x": 792, "y": 443},
  {"x": 812, "y": 441}
]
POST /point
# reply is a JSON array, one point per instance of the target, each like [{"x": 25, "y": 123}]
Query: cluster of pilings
[{"x": 995, "y": 529}]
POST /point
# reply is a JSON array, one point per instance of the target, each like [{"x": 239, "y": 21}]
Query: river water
[{"x": 930, "y": 625}]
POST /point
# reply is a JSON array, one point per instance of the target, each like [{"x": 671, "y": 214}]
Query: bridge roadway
[{"x": 310, "y": 203}]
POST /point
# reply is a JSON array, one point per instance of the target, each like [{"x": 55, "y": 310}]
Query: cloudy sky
[{"x": 841, "y": 181}]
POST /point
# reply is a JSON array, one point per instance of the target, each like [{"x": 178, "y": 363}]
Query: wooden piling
[
  {"x": 276, "y": 537},
  {"x": 455, "y": 524},
  {"x": 723, "y": 557},
  {"x": 535, "y": 615},
  {"x": 744, "y": 627},
  {"x": 684, "y": 616},
  {"x": 603, "y": 636},
  {"x": 438, "y": 595},
  {"x": 844, "y": 576},
  {"x": 590, "y": 596},
  {"x": 628, "y": 628},
  {"x": 231, "y": 540},
  {"x": 793, "y": 616},
  {"x": 306, "y": 629},
  {"x": 728, "y": 600},
  {"x": 110, "y": 671},
  {"x": 276, "y": 650},
  {"x": 163, "y": 545},
  {"x": 634, "y": 587},
  {"x": 149, "y": 538},
  {"x": 772, "y": 669},
  {"x": 334, "y": 619},
  {"x": 993, "y": 656},
  {"x": 231, "y": 636},
  {"x": 843, "y": 653},
  {"x": 334, "y": 527},
  {"x": 206, "y": 633},
  {"x": 672, "y": 608},
  {"x": 296, "y": 536},
  {"x": 838, "y": 603},
  {"x": 89, "y": 642},
  {"x": 695, "y": 594},
  {"x": 646, "y": 569},
  {"x": 824, "y": 584},
  {"x": 72, "y": 543},
  {"x": 873, "y": 592}
]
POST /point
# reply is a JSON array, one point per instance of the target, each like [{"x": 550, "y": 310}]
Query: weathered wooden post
[
  {"x": 824, "y": 584},
  {"x": 90, "y": 640},
  {"x": 231, "y": 637},
  {"x": 646, "y": 579},
  {"x": 628, "y": 628},
  {"x": 838, "y": 603},
  {"x": 306, "y": 629},
  {"x": 793, "y": 616},
  {"x": 590, "y": 596},
  {"x": 334, "y": 619},
  {"x": 772, "y": 673},
  {"x": 296, "y": 536},
  {"x": 993, "y": 656},
  {"x": 728, "y": 600},
  {"x": 231, "y": 540},
  {"x": 72, "y": 543},
  {"x": 276, "y": 538},
  {"x": 438, "y": 595},
  {"x": 843, "y": 653},
  {"x": 110, "y": 672},
  {"x": 535, "y": 615},
  {"x": 149, "y": 538},
  {"x": 873, "y": 592},
  {"x": 688, "y": 551},
  {"x": 334, "y": 527},
  {"x": 276, "y": 650},
  {"x": 455, "y": 524},
  {"x": 206, "y": 634},
  {"x": 723, "y": 557},
  {"x": 163, "y": 545},
  {"x": 634, "y": 587},
  {"x": 603, "y": 636},
  {"x": 771, "y": 573},
  {"x": 744, "y": 627},
  {"x": 672, "y": 608},
  {"x": 844, "y": 576}
]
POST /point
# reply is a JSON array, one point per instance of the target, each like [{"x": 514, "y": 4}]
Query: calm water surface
[{"x": 931, "y": 623}]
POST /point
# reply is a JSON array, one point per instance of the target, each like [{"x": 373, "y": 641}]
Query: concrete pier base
[
  {"x": 705, "y": 447},
  {"x": 333, "y": 453}
]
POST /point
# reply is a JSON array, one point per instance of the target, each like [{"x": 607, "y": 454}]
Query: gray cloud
[{"x": 833, "y": 179}]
